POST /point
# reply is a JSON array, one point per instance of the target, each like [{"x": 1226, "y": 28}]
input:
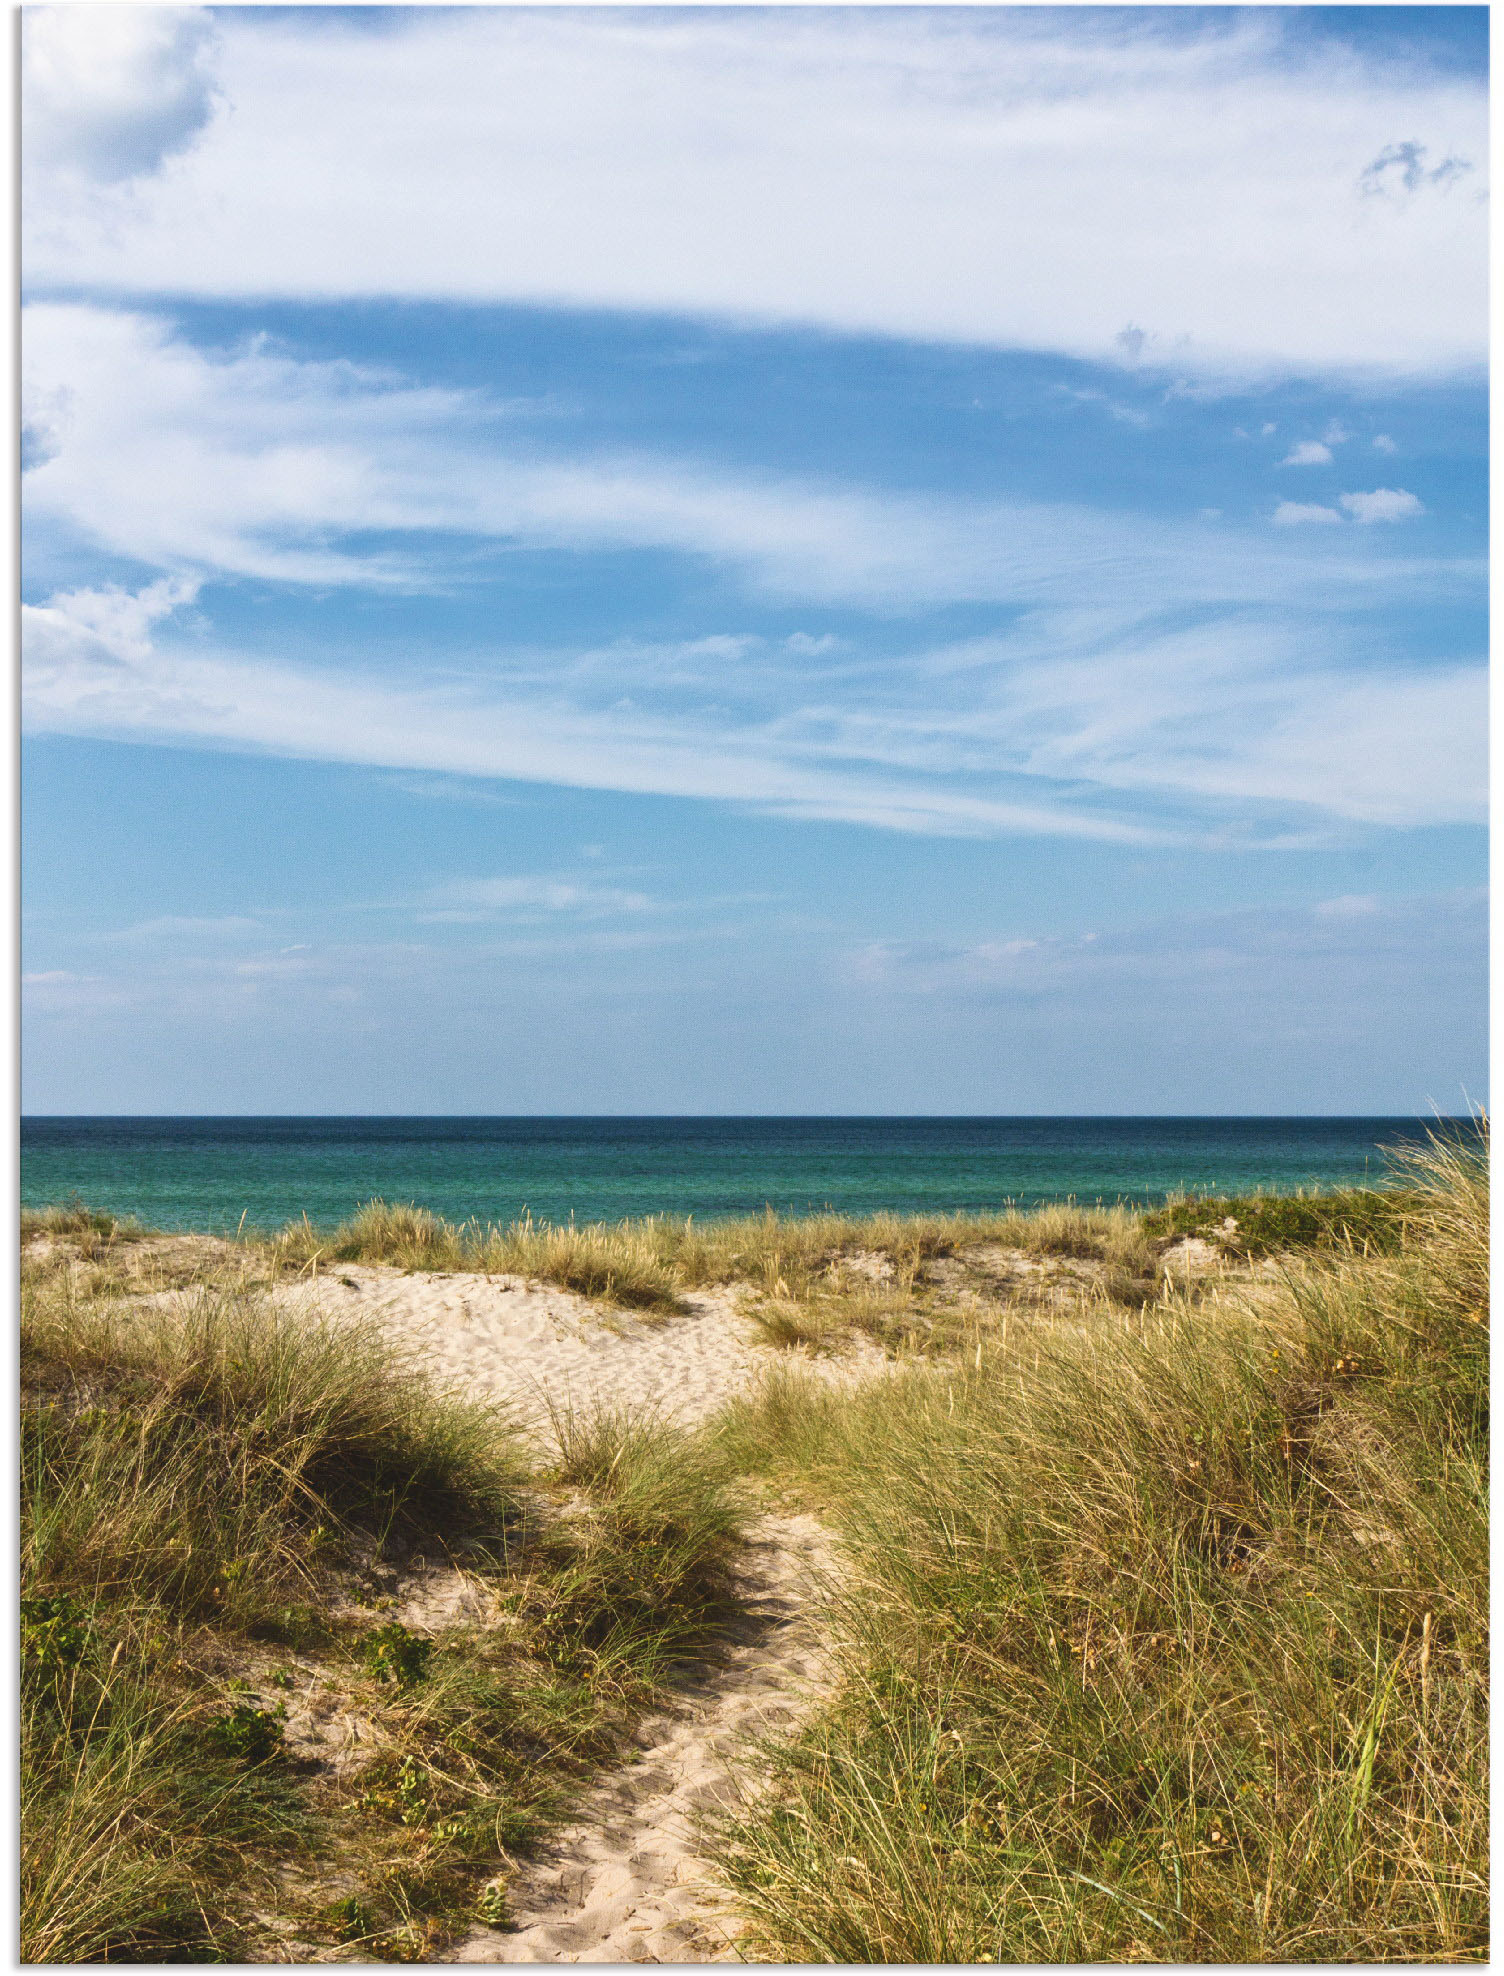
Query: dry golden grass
[{"x": 1165, "y": 1639}]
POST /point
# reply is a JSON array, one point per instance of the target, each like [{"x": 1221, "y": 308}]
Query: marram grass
[
  {"x": 1163, "y": 1636},
  {"x": 1163, "y": 1641},
  {"x": 215, "y": 1495}
]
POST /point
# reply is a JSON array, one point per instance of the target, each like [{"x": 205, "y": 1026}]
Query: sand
[
  {"x": 532, "y": 1346},
  {"x": 626, "y": 1881}
]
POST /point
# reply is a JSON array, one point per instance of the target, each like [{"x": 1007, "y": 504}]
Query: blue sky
[{"x": 771, "y": 560}]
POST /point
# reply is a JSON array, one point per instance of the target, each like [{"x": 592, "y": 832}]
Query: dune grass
[
  {"x": 814, "y": 1276},
  {"x": 649, "y": 1261},
  {"x": 1164, "y": 1639},
  {"x": 219, "y": 1503}
]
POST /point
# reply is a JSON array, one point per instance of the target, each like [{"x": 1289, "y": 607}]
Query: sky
[{"x": 754, "y": 560}]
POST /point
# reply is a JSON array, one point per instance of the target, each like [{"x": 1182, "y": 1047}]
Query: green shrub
[
  {"x": 1369, "y": 1219},
  {"x": 247, "y": 1733}
]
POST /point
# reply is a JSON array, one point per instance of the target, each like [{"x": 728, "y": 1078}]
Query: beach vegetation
[
  {"x": 1370, "y": 1219},
  {"x": 210, "y": 1481},
  {"x": 1158, "y": 1623},
  {"x": 1160, "y": 1640}
]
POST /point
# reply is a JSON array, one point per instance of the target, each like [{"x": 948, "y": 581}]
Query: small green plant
[
  {"x": 493, "y": 1906},
  {"x": 404, "y": 1795},
  {"x": 394, "y": 1654},
  {"x": 350, "y": 1919},
  {"x": 283, "y": 1678},
  {"x": 249, "y": 1734},
  {"x": 56, "y": 1632},
  {"x": 1369, "y": 1219},
  {"x": 291, "y": 1626}
]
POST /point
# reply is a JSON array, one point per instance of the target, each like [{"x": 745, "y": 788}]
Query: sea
[{"x": 217, "y": 1174}]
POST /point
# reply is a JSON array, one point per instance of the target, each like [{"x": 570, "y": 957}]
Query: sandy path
[{"x": 626, "y": 1883}]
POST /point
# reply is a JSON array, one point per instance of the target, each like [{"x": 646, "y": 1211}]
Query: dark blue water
[{"x": 204, "y": 1173}]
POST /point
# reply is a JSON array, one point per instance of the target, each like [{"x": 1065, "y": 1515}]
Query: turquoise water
[{"x": 205, "y": 1173}]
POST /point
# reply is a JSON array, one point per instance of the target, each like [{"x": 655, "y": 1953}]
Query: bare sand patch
[{"x": 534, "y": 1347}]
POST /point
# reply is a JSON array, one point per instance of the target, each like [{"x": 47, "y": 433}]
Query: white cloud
[
  {"x": 248, "y": 462},
  {"x": 112, "y": 92},
  {"x": 1293, "y": 514},
  {"x": 1336, "y": 433},
  {"x": 1013, "y": 178},
  {"x": 1238, "y": 714},
  {"x": 109, "y": 625},
  {"x": 1308, "y": 453},
  {"x": 1383, "y": 504},
  {"x": 174, "y": 929},
  {"x": 73, "y": 686},
  {"x": 1279, "y": 959},
  {"x": 482, "y": 898},
  {"x": 1076, "y": 723},
  {"x": 1384, "y": 444}
]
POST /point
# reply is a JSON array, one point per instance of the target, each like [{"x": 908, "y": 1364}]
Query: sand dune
[{"x": 533, "y": 1346}]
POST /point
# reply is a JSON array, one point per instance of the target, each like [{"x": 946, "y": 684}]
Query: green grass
[
  {"x": 216, "y": 1496},
  {"x": 1164, "y": 1640},
  {"x": 1372, "y": 1220}
]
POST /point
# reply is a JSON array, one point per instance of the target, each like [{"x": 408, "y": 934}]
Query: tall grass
[
  {"x": 793, "y": 1261},
  {"x": 647, "y": 1264},
  {"x": 1164, "y": 1640},
  {"x": 619, "y": 1264},
  {"x": 207, "y": 1484}
]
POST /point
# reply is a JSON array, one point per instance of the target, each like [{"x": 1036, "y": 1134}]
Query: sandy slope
[{"x": 531, "y": 1345}]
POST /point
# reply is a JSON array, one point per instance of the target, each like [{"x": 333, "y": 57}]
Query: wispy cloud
[
  {"x": 1400, "y": 171},
  {"x": 1294, "y": 514},
  {"x": 248, "y": 462},
  {"x": 1025, "y": 177},
  {"x": 1253, "y": 954},
  {"x": 1045, "y": 729},
  {"x": 477, "y": 899},
  {"x": 1308, "y": 453}
]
